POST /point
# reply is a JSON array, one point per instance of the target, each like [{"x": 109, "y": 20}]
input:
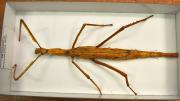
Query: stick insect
[{"x": 92, "y": 53}]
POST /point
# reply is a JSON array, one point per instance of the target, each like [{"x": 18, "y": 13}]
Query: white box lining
[{"x": 76, "y": 29}]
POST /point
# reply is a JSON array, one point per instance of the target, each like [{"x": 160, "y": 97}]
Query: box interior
[{"x": 55, "y": 25}]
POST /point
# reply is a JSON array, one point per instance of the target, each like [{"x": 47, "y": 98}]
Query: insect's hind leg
[
  {"x": 87, "y": 76},
  {"x": 121, "y": 29},
  {"x": 82, "y": 28},
  {"x": 116, "y": 70}
]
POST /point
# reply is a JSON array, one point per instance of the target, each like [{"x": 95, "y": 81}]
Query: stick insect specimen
[{"x": 93, "y": 53}]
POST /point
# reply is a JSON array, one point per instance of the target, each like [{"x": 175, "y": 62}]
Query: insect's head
[
  {"x": 52, "y": 51},
  {"x": 41, "y": 51}
]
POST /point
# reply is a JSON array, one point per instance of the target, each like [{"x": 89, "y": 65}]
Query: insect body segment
[
  {"x": 93, "y": 53},
  {"x": 53, "y": 51}
]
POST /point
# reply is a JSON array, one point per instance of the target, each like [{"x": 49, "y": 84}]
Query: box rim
[
  {"x": 112, "y": 1},
  {"x": 1, "y": 23}
]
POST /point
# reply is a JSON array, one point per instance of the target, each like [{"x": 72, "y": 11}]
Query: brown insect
[{"x": 93, "y": 52}]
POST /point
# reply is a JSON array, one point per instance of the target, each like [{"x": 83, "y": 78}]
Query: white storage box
[{"x": 56, "y": 24}]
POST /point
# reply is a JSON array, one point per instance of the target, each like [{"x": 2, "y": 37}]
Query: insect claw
[
  {"x": 110, "y": 25},
  {"x": 149, "y": 17},
  {"x": 15, "y": 65}
]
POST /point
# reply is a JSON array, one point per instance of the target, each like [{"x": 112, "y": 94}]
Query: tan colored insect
[{"x": 93, "y": 53}]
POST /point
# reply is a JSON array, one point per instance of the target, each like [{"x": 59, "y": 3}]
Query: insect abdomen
[{"x": 114, "y": 53}]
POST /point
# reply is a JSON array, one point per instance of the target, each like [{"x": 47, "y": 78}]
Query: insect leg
[
  {"x": 87, "y": 76},
  {"x": 22, "y": 22},
  {"x": 121, "y": 29},
  {"x": 25, "y": 70},
  {"x": 83, "y": 26},
  {"x": 116, "y": 70}
]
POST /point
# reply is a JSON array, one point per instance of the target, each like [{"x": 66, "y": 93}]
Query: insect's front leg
[
  {"x": 116, "y": 70},
  {"x": 22, "y": 22},
  {"x": 86, "y": 75},
  {"x": 25, "y": 70}
]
